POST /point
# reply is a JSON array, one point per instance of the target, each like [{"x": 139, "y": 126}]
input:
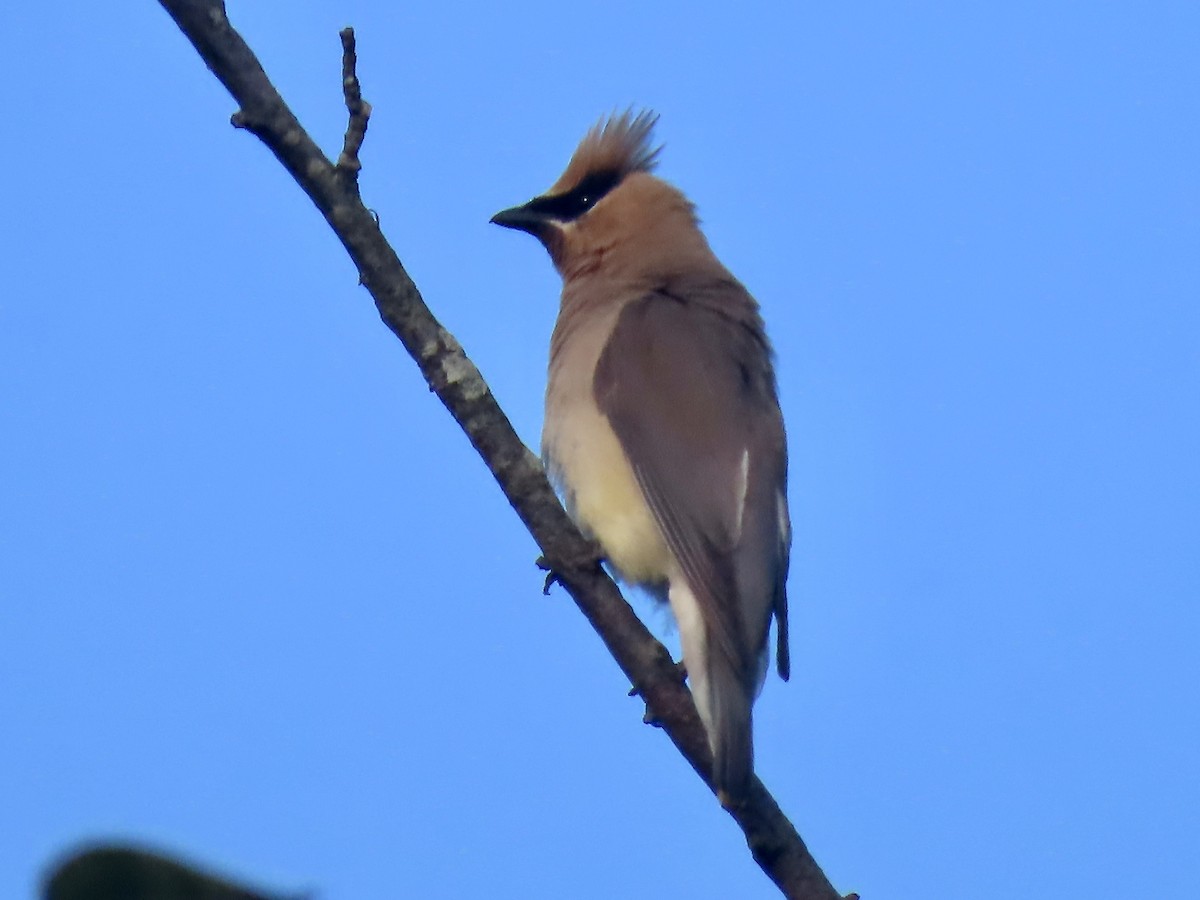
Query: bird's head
[{"x": 606, "y": 201}]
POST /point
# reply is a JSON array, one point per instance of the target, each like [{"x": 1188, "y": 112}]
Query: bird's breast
[{"x": 589, "y": 465}]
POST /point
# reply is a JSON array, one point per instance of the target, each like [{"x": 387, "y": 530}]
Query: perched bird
[{"x": 662, "y": 426}]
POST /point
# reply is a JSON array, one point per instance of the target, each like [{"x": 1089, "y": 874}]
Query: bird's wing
[{"x": 686, "y": 382}]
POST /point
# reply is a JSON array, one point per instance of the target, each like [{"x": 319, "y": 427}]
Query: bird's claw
[
  {"x": 589, "y": 559},
  {"x": 648, "y": 717}
]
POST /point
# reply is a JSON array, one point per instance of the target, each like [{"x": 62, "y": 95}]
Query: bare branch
[
  {"x": 359, "y": 109},
  {"x": 772, "y": 839}
]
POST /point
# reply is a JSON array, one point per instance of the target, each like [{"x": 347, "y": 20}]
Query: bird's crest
[{"x": 620, "y": 144}]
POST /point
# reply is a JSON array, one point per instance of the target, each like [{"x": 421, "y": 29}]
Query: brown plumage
[
  {"x": 662, "y": 425},
  {"x": 620, "y": 144}
]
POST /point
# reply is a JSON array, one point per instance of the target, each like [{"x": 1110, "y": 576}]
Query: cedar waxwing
[{"x": 662, "y": 426}]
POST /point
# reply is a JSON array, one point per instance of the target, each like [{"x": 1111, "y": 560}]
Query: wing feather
[{"x": 686, "y": 382}]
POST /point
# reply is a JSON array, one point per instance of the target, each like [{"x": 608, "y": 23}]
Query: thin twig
[
  {"x": 359, "y": 109},
  {"x": 772, "y": 839}
]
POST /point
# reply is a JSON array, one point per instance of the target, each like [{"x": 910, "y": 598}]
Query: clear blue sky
[{"x": 262, "y": 605}]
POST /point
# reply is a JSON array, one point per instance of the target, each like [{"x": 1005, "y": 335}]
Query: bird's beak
[{"x": 522, "y": 218}]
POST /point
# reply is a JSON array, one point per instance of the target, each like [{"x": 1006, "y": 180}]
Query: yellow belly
[{"x": 602, "y": 495}]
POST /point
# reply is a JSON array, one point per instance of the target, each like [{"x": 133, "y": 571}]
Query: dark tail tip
[{"x": 731, "y": 737}]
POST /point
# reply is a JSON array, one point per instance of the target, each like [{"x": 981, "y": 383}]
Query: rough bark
[{"x": 333, "y": 188}]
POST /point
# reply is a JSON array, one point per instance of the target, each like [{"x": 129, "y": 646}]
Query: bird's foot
[
  {"x": 648, "y": 717},
  {"x": 588, "y": 559}
]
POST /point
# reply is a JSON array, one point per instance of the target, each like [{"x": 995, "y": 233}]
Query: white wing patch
[
  {"x": 742, "y": 485},
  {"x": 785, "y": 523}
]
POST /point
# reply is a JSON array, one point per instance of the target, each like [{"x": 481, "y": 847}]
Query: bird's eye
[{"x": 573, "y": 204}]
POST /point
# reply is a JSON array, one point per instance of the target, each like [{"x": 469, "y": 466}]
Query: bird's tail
[
  {"x": 724, "y": 694},
  {"x": 730, "y": 727}
]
